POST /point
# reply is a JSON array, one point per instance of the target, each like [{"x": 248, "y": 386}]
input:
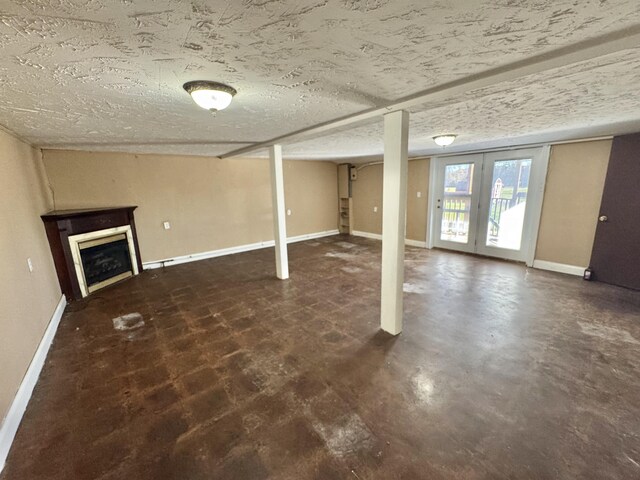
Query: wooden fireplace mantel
[{"x": 60, "y": 224}]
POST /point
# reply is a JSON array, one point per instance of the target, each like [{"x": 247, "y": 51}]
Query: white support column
[
  {"x": 394, "y": 205},
  {"x": 279, "y": 218}
]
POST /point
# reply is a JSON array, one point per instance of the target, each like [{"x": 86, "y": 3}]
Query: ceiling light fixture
[
  {"x": 212, "y": 96},
  {"x": 444, "y": 140}
]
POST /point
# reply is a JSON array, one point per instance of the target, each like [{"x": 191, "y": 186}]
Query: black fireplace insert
[{"x": 105, "y": 261}]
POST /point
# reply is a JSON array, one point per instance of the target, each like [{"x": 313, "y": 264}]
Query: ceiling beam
[
  {"x": 617, "y": 41},
  {"x": 59, "y": 146}
]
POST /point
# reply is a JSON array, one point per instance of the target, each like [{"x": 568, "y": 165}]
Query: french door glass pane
[
  {"x": 507, "y": 203},
  {"x": 458, "y": 188}
]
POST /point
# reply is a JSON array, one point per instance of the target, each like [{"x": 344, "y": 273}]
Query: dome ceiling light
[
  {"x": 444, "y": 140},
  {"x": 212, "y": 96}
]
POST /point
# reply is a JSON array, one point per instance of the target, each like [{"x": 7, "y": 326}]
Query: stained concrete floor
[{"x": 501, "y": 373}]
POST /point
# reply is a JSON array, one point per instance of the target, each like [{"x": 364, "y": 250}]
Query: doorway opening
[{"x": 488, "y": 203}]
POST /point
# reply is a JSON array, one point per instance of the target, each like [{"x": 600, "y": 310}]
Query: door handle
[{"x": 603, "y": 218}]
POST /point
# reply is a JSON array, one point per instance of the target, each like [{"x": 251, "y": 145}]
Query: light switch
[
  {"x": 375, "y": 209},
  {"x": 419, "y": 194},
  {"x": 30, "y": 264},
  {"x": 166, "y": 225},
  {"x": 288, "y": 212}
]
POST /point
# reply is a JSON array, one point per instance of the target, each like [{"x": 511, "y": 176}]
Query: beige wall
[
  {"x": 418, "y": 181},
  {"x": 367, "y": 194},
  {"x": 211, "y": 203},
  {"x": 311, "y": 193},
  {"x": 27, "y": 299},
  {"x": 575, "y": 181},
  {"x": 573, "y": 192},
  {"x": 343, "y": 181}
]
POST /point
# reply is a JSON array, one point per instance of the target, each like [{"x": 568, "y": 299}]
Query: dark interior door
[{"x": 616, "y": 251}]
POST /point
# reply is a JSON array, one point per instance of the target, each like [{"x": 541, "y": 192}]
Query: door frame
[
  {"x": 535, "y": 196},
  {"x": 441, "y": 163}
]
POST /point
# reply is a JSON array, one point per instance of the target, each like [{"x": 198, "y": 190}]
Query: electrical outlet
[
  {"x": 30, "y": 264},
  {"x": 166, "y": 225},
  {"x": 288, "y": 212},
  {"x": 419, "y": 194},
  {"x": 375, "y": 209}
]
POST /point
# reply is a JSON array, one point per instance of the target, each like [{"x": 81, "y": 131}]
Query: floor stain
[
  {"x": 347, "y": 436},
  {"x": 341, "y": 255},
  {"x": 351, "y": 269},
  {"x": 347, "y": 245},
  {"x": 130, "y": 321},
  {"x": 611, "y": 334},
  {"x": 412, "y": 288}
]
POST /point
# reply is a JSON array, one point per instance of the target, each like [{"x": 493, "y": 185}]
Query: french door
[{"x": 489, "y": 203}]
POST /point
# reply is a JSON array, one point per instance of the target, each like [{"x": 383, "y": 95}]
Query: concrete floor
[{"x": 501, "y": 373}]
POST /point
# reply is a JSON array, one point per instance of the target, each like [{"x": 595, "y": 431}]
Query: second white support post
[
  {"x": 279, "y": 218},
  {"x": 394, "y": 207}
]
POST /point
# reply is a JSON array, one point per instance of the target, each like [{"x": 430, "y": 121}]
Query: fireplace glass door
[{"x": 105, "y": 261}]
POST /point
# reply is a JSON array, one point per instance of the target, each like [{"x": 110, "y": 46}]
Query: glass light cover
[
  {"x": 444, "y": 140},
  {"x": 211, "y": 99}
]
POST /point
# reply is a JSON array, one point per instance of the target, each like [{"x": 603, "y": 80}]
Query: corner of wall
[{"x": 45, "y": 183}]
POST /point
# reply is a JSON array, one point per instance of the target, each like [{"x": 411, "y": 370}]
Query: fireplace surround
[
  {"x": 92, "y": 248},
  {"x": 103, "y": 257}
]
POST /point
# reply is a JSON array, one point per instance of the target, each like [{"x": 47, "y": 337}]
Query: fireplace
[
  {"x": 105, "y": 262},
  {"x": 103, "y": 257},
  {"x": 92, "y": 248}
]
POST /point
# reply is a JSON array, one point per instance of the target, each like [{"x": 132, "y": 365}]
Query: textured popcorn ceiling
[{"x": 108, "y": 75}]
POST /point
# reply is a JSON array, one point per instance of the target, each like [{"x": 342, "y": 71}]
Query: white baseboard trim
[
  {"x": 12, "y": 421},
  {"x": 559, "y": 267},
  {"x": 377, "y": 236},
  {"x": 167, "y": 262},
  {"x": 231, "y": 250},
  {"x": 374, "y": 236},
  {"x": 415, "y": 243},
  {"x": 311, "y": 236}
]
